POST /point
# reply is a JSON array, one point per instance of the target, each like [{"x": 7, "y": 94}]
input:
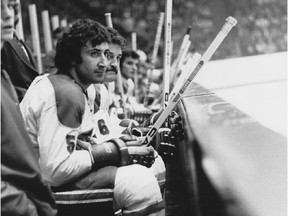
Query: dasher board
[
  {"x": 257, "y": 85},
  {"x": 244, "y": 156}
]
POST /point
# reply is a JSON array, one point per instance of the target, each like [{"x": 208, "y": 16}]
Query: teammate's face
[
  {"x": 94, "y": 64},
  {"x": 113, "y": 63},
  {"x": 129, "y": 67},
  {"x": 7, "y": 19}
]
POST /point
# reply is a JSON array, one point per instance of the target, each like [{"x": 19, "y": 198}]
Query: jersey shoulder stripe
[{"x": 70, "y": 100}]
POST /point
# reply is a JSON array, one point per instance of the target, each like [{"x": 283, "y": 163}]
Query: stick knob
[
  {"x": 108, "y": 20},
  {"x": 230, "y": 22}
]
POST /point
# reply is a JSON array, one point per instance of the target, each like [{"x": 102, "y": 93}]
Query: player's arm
[{"x": 119, "y": 152}]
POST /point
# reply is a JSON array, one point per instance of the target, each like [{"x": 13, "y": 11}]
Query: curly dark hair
[
  {"x": 69, "y": 47},
  {"x": 128, "y": 53},
  {"x": 116, "y": 38}
]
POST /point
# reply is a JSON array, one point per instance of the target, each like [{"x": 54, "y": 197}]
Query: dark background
[{"x": 261, "y": 28}]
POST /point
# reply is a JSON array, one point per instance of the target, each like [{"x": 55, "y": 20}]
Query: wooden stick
[
  {"x": 182, "y": 47},
  {"x": 157, "y": 39},
  {"x": 154, "y": 56},
  {"x": 167, "y": 52},
  {"x": 19, "y": 26},
  {"x": 190, "y": 66},
  {"x": 134, "y": 41},
  {"x": 230, "y": 22},
  {"x": 63, "y": 23},
  {"x": 184, "y": 54},
  {"x": 134, "y": 47},
  {"x": 35, "y": 36},
  {"x": 55, "y": 22},
  {"x": 108, "y": 20},
  {"x": 111, "y": 85},
  {"x": 185, "y": 51},
  {"x": 46, "y": 31},
  {"x": 180, "y": 62}
]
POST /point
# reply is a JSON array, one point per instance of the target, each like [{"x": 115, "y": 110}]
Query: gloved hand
[
  {"x": 152, "y": 119},
  {"x": 168, "y": 136},
  {"x": 164, "y": 142},
  {"x": 176, "y": 126},
  {"x": 167, "y": 148},
  {"x": 135, "y": 153},
  {"x": 134, "y": 129},
  {"x": 129, "y": 124},
  {"x": 119, "y": 152}
]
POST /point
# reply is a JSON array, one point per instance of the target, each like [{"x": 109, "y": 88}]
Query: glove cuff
[{"x": 123, "y": 149}]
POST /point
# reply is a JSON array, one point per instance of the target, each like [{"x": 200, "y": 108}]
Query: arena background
[{"x": 261, "y": 28}]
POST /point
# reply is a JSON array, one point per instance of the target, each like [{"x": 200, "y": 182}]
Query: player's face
[
  {"x": 129, "y": 67},
  {"x": 94, "y": 64},
  {"x": 7, "y": 19},
  {"x": 113, "y": 61}
]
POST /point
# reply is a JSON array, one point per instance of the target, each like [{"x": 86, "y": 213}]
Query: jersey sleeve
[{"x": 54, "y": 140}]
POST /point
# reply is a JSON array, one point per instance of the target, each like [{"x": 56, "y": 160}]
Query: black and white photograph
[{"x": 144, "y": 108}]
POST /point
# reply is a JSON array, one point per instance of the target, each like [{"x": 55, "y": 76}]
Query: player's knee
[
  {"x": 159, "y": 170},
  {"x": 136, "y": 188}
]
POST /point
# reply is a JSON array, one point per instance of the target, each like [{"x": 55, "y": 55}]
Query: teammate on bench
[
  {"x": 109, "y": 123},
  {"x": 57, "y": 109},
  {"x": 163, "y": 141}
]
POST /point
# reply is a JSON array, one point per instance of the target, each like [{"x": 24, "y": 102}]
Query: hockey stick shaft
[
  {"x": 230, "y": 22},
  {"x": 190, "y": 65},
  {"x": 154, "y": 55},
  {"x": 167, "y": 52}
]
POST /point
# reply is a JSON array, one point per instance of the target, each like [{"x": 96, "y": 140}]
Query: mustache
[
  {"x": 100, "y": 70},
  {"x": 7, "y": 27},
  {"x": 112, "y": 68}
]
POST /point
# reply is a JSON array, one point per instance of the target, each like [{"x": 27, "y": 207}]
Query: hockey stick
[
  {"x": 175, "y": 73},
  {"x": 35, "y": 36},
  {"x": 190, "y": 65},
  {"x": 167, "y": 52},
  {"x": 230, "y": 22},
  {"x": 154, "y": 56},
  {"x": 46, "y": 31},
  {"x": 175, "y": 64},
  {"x": 108, "y": 20}
]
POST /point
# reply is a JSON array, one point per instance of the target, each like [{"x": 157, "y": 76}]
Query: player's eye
[
  {"x": 110, "y": 55},
  {"x": 95, "y": 53},
  {"x": 11, "y": 4}
]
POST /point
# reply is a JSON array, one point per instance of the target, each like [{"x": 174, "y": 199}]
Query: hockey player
[
  {"x": 59, "y": 114},
  {"x": 116, "y": 46}
]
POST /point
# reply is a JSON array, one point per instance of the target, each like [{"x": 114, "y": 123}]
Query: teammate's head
[
  {"x": 58, "y": 33},
  {"x": 129, "y": 63},
  {"x": 116, "y": 46},
  {"x": 116, "y": 38},
  {"x": 82, "y": 32}
]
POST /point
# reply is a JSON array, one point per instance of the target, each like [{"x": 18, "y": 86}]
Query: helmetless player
[{"x": 58, "y": 110}]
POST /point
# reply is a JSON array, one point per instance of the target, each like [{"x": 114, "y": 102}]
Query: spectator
[
  {"x": 18, "y": 61},
  {"x": 58, "y": 112},
  {"x": 23, "y": 190}
]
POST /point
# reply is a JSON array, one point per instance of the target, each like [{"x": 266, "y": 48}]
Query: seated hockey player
[
  {"x": 59, "y": 113},
  {"x": 116, "y": 46}
]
